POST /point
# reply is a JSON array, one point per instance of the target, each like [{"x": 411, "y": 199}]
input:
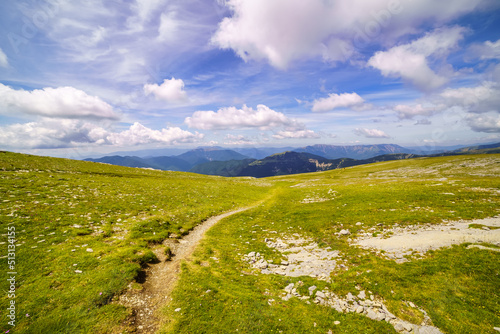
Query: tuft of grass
[{"x": 168, "y": 253}]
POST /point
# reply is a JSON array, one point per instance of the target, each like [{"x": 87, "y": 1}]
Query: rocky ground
[{"x": 404, "y": 243}]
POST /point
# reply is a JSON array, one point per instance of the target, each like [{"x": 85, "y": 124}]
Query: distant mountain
[
  {"x": 222, "y": 168},
  {"x": 488, "y": 148},
  {"x": 261, "y": 152},
  {"x": 147, "y": 153},
  {"x": 122, "y": 161},
  {"x": 353, "y": 151},
  {"x": 182, "y": 163},
  {"x": 163, "y": 163},
  {"x": 169, "y": 163},
  {"x": 287, "y": 163},
  {"x": 206, "y": 154}
]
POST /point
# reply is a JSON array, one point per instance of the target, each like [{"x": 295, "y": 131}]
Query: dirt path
[{"x": 161, "y": 277}]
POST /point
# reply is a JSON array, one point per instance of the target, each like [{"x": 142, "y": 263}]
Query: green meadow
[{"x": 84, "y": 231}]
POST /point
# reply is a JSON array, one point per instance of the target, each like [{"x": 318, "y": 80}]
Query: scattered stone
[
  {"x": 78, "y": 271},
  {"x": 496, "y": 329},
  {"x": 336, "y": 322},
  {"x": 359, "y": 223},
  {"x": 399, "y": 327},
  {"x": 373, "y": 309},
  {"x": 90, "y": 250},
  {"x": 371, "y": 314},
  {"x": 303, "y": 258},
  {"x": 320, "y": 294},
  {"x": 344, "y": 232},
  {"x": 177, "y": 309}
]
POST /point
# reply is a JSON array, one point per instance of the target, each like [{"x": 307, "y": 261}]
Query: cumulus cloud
[
  {"x": 263, "y": 118},
  {"x": 171, "y": 91},
  {"x": 281, "y": 31},
  {"x": 408, "y": 112},
  {"x": 479, "y": 99},
  {"x": 52, "y": 133},
  {"x": 139, "y": 134},
  {"x": 298, "y": 134},
  {"x": 66, "y": 133},
  {"x": 4, "y": 62},
  {"x": 62, "y": 102},
  {"x": 370, "y": 133},
  {"x": 410, "y": 61},
  {"x": 489, "y": 123},
  {"x": 334, "y": 101}
]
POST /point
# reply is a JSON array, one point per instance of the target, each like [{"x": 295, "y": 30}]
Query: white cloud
[
  {"x": 281, "y": 31},
  {"x": 370, "y": 133},
  {"x": 410, "y": 61},
  {"x": 299, "y": 134},
  {"x": 65, "y": 133},
  {"x": 139, "y": 134},
  {"x": 168, "y": 30},
  {"x": 487, "y": 50},
  {"x": 238, "y": 140},
  {"x": 263, "y": 118},
  {"x": 52, "y": 133},
  {"x": 479, "y": 99},
  {"x": 4, "y": 62},
  {"x": 62, "y": 102},
  {"x": 489, "y": 123},
  {"x": 334, "y": 101},
  {"x": 171, "y": 91},
  {"x": 408, "y": 112}
]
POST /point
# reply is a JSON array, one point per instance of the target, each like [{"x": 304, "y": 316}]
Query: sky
[{"x": 85, "y": 77}]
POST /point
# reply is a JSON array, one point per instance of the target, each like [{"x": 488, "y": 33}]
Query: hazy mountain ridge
[
  {"x": 353, "y": 151},
  {"x": 225, "y": 162}
]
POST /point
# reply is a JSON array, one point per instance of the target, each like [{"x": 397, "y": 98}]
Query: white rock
[
  {"x": 320, "y": 294},
  {"x": 344, "y": 232},
  {"x": 78, "y": 271},
  {"x": 362, "y": 295},
  {"x": 336, "y": 322},
  {"x": 360, "y": 309},
  {"x": 311, "y": 289},
  {"x": 90, "y": 250}
]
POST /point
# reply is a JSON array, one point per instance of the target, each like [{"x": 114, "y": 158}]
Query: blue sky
[{"x": 102, "y": 76}]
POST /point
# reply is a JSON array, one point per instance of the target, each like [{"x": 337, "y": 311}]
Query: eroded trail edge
[{"x": 161, "y": 277}]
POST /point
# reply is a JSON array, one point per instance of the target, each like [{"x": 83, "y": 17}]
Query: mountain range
[{"x": 225, "y": 162}]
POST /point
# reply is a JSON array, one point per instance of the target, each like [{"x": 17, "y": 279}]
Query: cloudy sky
[{"x": 78, "y": 77}]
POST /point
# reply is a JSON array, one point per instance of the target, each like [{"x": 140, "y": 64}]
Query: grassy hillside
[
  {"x": 457, "y": 287},
  {"x": 83, "y": 230}
]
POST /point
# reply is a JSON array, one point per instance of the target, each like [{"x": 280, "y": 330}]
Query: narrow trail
[{"x": 161, "y": 277}]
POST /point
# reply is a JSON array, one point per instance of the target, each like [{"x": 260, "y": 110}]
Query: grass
[
  {"x": 84, "y": 231},
  {"x": 459, "y": 288}
]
